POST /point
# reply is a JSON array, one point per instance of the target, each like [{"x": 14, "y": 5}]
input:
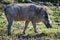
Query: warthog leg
[
  {"x": 10, "y": 20},
  {"x": 26, "y": 25},
  {"x": 9, "y": 27},
  {"x": 34, "y": 25}
]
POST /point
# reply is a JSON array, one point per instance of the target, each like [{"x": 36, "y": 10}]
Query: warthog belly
[{"x": 26, "y": 19}]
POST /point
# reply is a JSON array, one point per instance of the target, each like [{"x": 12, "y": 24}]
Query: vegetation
[{"x": 17, "y": 27}]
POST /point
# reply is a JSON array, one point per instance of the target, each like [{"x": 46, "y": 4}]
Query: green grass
[{"x": 17, "y": 27}]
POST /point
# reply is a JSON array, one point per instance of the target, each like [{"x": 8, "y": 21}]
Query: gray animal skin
[{"x": 27, "y": 12}]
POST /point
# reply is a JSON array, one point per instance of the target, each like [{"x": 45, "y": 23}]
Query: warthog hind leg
[
  {"x": 10, "y": 21},
  {"x": 26, "y": 25}
]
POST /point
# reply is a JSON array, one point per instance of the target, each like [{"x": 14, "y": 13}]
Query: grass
[{"x": 17, "y": 28}]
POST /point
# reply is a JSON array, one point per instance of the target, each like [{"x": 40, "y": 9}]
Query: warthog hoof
[
  {"x": 23, "y": 32},
  {"x": 9, "y": 34},
  {"x": 36, "y": 32}
]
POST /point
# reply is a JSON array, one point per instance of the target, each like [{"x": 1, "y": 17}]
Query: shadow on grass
[{"x": 31, "y": 35}]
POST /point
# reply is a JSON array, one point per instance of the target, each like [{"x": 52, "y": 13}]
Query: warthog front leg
[
  {"x": 26, "y": 25},
  {"x": 34, "y": 25}
]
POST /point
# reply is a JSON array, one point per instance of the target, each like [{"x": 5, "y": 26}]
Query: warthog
[{"x": 27, "y": 12}]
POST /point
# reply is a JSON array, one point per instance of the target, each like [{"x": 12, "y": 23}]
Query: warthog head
[{"x": 43, "y": 15}]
